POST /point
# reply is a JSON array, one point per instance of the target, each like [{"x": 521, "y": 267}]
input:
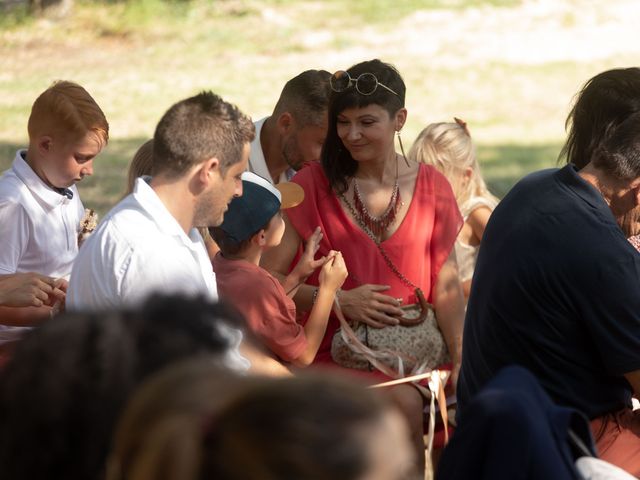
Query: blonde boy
[
  {"x": 40, "y": 209},
  {"x": 252, "y": 225}
]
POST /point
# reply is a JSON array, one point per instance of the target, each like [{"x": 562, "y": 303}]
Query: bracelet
[{"x": 314, "y": 297}]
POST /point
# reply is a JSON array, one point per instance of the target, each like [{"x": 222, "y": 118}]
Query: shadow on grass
[{"x": 502, "y": 166}]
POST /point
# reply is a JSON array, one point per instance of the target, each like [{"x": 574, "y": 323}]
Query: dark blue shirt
[{"x": 557, "y": 290}]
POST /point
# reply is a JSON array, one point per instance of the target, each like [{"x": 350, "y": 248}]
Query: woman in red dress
[{"x": 364, "y": 196}]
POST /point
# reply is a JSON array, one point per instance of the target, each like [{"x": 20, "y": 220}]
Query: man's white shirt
[
  {"x": 257, "y": 162},
  {"x": 139, "y": 248}
]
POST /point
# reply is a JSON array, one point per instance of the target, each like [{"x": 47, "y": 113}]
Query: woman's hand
[{"x": 367, "y": 305}]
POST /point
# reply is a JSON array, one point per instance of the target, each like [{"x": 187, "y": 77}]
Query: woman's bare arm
[{"x": 449, "y": 306}]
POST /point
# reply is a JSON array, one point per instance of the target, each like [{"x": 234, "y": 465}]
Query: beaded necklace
[{"x": 377, "y": 225}]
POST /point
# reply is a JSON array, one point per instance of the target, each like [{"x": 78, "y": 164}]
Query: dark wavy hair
[
  {"x": 604, "y": 102},
  {"x": 68, "y": 380},
  {"x": 336, "y": 160}
]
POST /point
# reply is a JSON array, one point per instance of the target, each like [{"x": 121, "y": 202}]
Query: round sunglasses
[{"x": 366, "y": 83}]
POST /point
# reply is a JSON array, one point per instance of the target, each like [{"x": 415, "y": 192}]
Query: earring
[{"x": 402, "y": 147}]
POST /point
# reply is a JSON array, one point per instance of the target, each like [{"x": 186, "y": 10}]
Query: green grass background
[{"x": 138, "y": 57}]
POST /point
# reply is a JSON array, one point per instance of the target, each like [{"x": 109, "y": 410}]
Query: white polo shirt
[
  {"x": 139, "y": 248},
  {"x": 38, "y": 228},
  {"x": 257, "y": 162}
]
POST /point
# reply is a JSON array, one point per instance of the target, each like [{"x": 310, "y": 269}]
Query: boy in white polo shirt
[{"x": 40, "y": 209}]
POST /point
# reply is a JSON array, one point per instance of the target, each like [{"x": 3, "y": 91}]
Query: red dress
[{"x": 418, "y": 248}]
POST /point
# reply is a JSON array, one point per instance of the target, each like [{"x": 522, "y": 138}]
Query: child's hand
[
  {"x": 334, "y": 271},
  {"x": 307, "y": 265}
]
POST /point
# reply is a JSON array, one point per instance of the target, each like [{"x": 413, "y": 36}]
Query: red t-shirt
[
  {"x": 418, "y": 248},
  {"x": 269, "y": 313}
]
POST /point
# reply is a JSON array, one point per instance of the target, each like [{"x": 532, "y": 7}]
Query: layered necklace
[{"x": 380, "y": 224}]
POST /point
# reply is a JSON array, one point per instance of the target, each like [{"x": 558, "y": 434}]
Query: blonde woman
[{"x": 449, "y": 148}]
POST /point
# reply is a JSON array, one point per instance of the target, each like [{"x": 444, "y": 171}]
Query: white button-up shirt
[
  {"x": 139, "y": 248},
  {"x": 38, "y": 228}
]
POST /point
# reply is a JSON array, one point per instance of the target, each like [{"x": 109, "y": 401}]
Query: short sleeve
[
  {"x": 271, "y": 316},
  {"x": 14, "y": 235},
  {"x": 446, "y": 225}
]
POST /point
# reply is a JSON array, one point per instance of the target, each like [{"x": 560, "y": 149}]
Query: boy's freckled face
[{"x": 68, "y": 162}]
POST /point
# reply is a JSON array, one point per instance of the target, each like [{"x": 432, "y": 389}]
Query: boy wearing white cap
[{"x": 251, "y": 225}]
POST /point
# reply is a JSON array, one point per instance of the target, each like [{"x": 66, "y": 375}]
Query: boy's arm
[
  {"x": 316, "y": 326},
  {"x": 333, "y": 274},
  {"x": 305, "y": 266},
  {"x": 262, "y": 364}
]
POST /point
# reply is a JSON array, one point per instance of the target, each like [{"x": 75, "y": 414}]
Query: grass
[{"x": 466, "y": 58}]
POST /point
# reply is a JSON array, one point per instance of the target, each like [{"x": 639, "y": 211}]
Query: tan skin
[
  {"x": 368, "y": 133},
  {"x": 26, "y": 298},
  {"x": 286, "y": 144}
]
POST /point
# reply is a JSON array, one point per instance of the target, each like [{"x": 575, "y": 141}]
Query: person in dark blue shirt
[{"x": 557, "y": 290}]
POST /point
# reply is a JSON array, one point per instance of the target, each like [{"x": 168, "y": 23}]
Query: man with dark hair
[
  {"x": 293, "y": 135},
  {"x": 557, "y": 290},
  {"x": 149, "y": 242}
]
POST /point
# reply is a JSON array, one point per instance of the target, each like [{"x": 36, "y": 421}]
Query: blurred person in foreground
[
  {"x": 64, "y": 388},
  {"x": 179, "y": 426}
]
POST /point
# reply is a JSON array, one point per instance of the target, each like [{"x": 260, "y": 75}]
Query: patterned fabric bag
[{"x": 414, "y": 346}]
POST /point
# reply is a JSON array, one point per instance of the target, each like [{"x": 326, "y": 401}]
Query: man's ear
[
  {"x": 636, "y": 195},
  {"x": 208, "y": 169},
  {"x": 284, "y": 123}
]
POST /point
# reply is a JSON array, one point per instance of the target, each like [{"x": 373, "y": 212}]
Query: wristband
[{"x": 314, "y": 297}]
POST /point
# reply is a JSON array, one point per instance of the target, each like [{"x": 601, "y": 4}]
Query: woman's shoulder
[{"x": 311, "y": 173}]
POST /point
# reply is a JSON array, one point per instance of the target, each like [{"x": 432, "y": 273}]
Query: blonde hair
[
  {"x": 141, "y": 164},
  {"x": 449, "y": 148},
  {"x": 67, "y": 110}
]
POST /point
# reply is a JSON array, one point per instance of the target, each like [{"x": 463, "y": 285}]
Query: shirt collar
[
  {"x": 590, "y": 194},
  {"x": 151, "y": 203},
  {"x": 36, "y": 185},
  {"x": 257, "y": 162}
]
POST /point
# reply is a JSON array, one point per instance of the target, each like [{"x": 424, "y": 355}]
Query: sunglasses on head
[{"x": 366, "y": 83}]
